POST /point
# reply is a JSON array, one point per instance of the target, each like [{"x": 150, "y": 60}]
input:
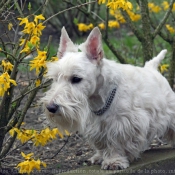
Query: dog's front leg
[{"x": 96, "y": 158}]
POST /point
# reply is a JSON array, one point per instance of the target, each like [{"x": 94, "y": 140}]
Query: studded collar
[{"x": 107, "y": 104}]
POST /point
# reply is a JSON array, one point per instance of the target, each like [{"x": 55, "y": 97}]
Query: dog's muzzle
[{"x": 52, "y": 107}]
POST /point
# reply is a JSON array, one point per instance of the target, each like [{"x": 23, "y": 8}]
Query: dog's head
[{"x": 75, "y": 79}]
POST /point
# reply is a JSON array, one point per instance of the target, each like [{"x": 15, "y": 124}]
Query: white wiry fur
[{"x": 143, "y": 106}]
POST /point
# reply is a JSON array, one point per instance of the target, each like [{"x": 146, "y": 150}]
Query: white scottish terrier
[{"x": 118, "y": 108}]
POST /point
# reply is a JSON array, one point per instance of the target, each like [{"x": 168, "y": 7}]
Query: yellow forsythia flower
[
  {"x": 45, "y": 136},
  {"x": 38, "y": 28},
  {"x": 101, "y": 26},
  {"x": 27, "y": 156},
  {"x": 35, "y": 40},
  {"x": 41, "y": 54},
  {"x": 164, "y": 68},
  {"x": 23, "y": 135},
  {"x": 23, "y": 21},
  {"x": 7, "y": 65},
  {"x": 37, "y": 82},
  {"x": 117, "y": 14},
  {"x": 129, "y": 4},
  {"x": 29, "y": 164},
  {"x": 133, "y": 16},
  {"x": 154, "y": 8},
  {"x": 165, "y": 5},
  {"x": 31, "y": 27},
  {"x": 54, "y": 58},
  {"x": 0, "y": 49},
  {"x": 37, "y": 17},
  {"x": 83, "y": 27},
  {"x": 39, "y": 61},
  {"x": 26, "y": 49},
  {"x": 101, "y": 1},
  {"x": 173, "y": 9},
  {"x": 10, "y": 25},
  {"x": 38, "y": 138},
  {"x": 170, "y": 29},
  {"x": 125, "y": 5},
  {"x": 113, "y": 24},
  {"x": 5, "y": 82},
  {"x": 67, "y": 133},
  {"x": 34, "y": 29},
  {"x": 13, "y": 130},
  {"x": 22, "y": 41},
  {"x": 37, "y": 64}
]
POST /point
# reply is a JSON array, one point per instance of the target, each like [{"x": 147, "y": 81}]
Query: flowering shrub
[{"x": 27, "y": 44}]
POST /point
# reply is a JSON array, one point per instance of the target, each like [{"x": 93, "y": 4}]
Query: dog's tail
[{"x": 154, "y": 63}]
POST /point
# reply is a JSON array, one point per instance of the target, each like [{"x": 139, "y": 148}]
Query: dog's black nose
[{"x": 52, "y": 107}]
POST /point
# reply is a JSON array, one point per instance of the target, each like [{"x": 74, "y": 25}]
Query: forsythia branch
[
  {"x": 162, "y": 34},
  {"x": 115, "y": 52},
  {"x": 7, "y": 147},
  {"x": 137, "y": 33},
  {"x": 161, "y": 24}
]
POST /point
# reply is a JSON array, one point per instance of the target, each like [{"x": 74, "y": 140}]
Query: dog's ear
[
  {"x": 93, "y": 46},
  {"x": 66, "y": 45}
]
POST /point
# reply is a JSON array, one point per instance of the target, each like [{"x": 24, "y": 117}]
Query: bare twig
[
  {"x": 135, "y": 30},
  {"x": 115, "y": 52},
  {"x": 17, "y": 147},
  {"x": 5, "y": 6},
  {"x": 106, "y": 23},
  {"x": 78, "y": 6},
  {"x": 7, "y": 147},
  {"x": 33, "y": 89},
  {"x": 66, "y": 141},
  {"x": 44, "y": 6},
  {"x": 98, "y": 16},
  {"x": 7, "y": 53}
]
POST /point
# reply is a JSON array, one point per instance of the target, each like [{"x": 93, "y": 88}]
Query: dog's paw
[
  {"x": 95, "y": 160},
  {"x": 115, "y": 164}
]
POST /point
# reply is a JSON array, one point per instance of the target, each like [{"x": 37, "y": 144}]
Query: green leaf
[
  {"x": 30, "y": 45},
  {"x": 75, "y": 21},
  {"x": 46, "y": 49},
  {"x": 13, "y": 104},
  {"x": 29, "y": 6}
]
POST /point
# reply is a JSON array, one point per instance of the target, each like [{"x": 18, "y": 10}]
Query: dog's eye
[{"x": 75, "y": 80}]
